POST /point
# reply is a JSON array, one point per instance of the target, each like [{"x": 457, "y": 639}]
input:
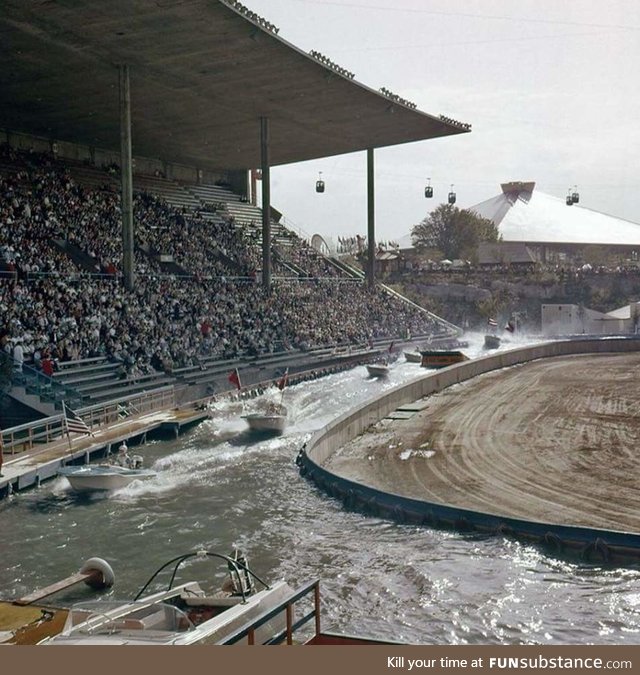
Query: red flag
[
  {"x": 234, "y": 378},
  {"x": 282, "y": 382},
  {"x": 511, "y": 327}
]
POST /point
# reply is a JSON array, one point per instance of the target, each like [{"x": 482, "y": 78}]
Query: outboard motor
[{"x": 135, "y": 462}]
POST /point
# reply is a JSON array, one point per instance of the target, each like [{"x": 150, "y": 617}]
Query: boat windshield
[{"x": 100, "y": 618}]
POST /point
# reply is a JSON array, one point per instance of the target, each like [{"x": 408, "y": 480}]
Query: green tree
[{"x": 455, "y": 232}]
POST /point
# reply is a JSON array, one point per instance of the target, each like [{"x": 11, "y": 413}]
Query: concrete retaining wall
[{"x": 605, "y": 545}]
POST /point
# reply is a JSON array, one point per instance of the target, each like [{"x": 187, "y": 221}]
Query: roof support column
[
  {"x": 371, "y": 222},
  {"x": 266, "y": 204},
  {"x": 126, "y": 178}
]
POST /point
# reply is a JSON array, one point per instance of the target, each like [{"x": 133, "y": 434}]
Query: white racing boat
[
  {"x": 179, "y": 614},
  {"x": 183, "y": 614},
  {"x": 102, "y": 477},
  {"x": 271, "y": 420},
  {"x": 377, "y": 369},
  {"x": 107, "y": 477}
]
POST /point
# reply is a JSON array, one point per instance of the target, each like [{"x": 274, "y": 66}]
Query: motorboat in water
[
  {"x": 106, "y": 477},
  {"x": 244, "y": 610},
  {"x": 272, "y": 420},
  {"x": 441, "y": 358},
  {"x": 413, "y": 357},
  {"x": 377, "y": 369},
  {"x": 185, "y": 614},
  {"x": 102, "y": 477},
  {"x": 181, "y": 614},
  {"x": 491, "y": 342}
]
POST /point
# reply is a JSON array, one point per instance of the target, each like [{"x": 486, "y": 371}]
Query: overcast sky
[{"x": 550, "y": 88}]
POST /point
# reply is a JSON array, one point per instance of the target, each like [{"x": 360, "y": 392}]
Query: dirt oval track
[{"x": 556, "y": 440}]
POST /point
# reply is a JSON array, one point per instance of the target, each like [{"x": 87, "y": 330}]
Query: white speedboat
[
  {"x": 272, "y": 420},
  {"x": 183, "y": 614},
  {"x": 102, "y": 477},
  {"x": 378, "y": 369}
]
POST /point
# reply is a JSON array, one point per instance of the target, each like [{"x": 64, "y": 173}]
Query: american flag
[
  {"x": 492, "y": 322},
  {"x": 75, "y": 424}
]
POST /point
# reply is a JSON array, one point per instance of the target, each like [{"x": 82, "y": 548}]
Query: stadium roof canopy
[
  {"x": 202, "y": 74},
  {"x": 525, "y": 214}
]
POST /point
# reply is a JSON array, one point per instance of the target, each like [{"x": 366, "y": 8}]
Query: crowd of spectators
[
  {"x": 53, "y": 310},
  {"x": 303, "y": 258}
]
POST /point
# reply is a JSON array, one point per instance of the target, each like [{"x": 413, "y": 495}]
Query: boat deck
[
  {"x": 554, "y": 440},
  {"x": 20, "y": 625}
]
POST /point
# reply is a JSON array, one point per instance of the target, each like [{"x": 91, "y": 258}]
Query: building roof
[
  {"x": 202, "y": 74},
  {"x": 525, "y": 214}
]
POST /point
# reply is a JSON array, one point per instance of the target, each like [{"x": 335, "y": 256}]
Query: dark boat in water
[
  {"x": 491, "y": 342},
  {"x": 441, "y": 358}
]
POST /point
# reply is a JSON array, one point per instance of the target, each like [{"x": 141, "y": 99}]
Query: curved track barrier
[{"x": 590, "y": 544}]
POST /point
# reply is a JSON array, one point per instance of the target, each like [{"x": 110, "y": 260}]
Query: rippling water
[{"x": 218, "y": 487}]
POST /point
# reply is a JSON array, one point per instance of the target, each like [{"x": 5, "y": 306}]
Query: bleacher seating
[{"x": 170, "y": 328}]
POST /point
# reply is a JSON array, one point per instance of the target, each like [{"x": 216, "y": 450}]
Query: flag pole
[
  {"x": 66, "y": 425},
  {"x": 283, "y": 381}
]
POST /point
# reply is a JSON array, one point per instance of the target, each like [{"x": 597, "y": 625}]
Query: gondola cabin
[
  {"x": 428, "y": 191},
  {"x": 320, "y": 184}
]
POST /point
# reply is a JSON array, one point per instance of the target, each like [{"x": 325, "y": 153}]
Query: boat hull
[
  {"x": 102, "y": 479},
  {"x": 413, "y": 357},
  {"x": 266, "y": 423},
  {"x": 377, "y": 370},
  {"x": 491, "y": 342}
]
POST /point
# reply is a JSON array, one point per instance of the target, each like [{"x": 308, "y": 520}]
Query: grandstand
[{"x": 199, "y": 244}]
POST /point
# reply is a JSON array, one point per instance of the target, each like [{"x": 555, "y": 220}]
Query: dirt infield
[{"x": 556, "y": 440}]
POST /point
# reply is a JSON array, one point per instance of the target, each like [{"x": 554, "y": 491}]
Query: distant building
[
  {"x": 577, "y": 320},
  {"x": 550, "y": 228}
]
